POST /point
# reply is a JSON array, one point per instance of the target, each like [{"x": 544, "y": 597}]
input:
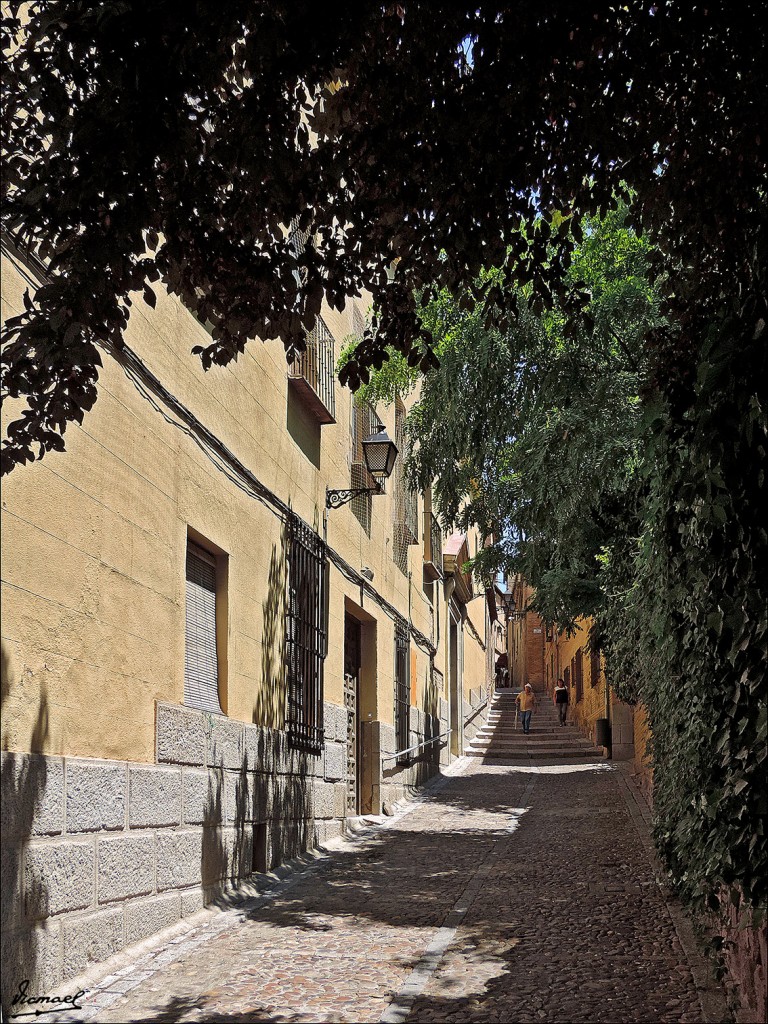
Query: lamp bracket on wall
[
  {"x": 337, "y": 498},
  {"x": 379, "y": 454}
]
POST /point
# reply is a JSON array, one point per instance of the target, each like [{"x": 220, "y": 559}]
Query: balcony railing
[
  {"x": 433, "y": 547},
  {"x": 312, "y": 373}
]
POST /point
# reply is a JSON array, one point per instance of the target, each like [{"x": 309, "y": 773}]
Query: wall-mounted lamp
[
  {"x": 368, "y": 573},
  {"x": 379, "y": 452},
  {"x": 508, "y": 606}
]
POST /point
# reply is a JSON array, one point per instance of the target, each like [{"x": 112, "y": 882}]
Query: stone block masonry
[{"x": 100, "y": 854}]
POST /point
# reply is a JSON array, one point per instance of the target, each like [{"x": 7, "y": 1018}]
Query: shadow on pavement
[{"x": 567, "y": 924}]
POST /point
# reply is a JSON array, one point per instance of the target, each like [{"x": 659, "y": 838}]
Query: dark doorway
[{"x": 352, "y": 663}]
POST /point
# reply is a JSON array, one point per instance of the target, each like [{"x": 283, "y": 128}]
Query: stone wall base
[
  {"x": 746, "y": 959},
  {"x": 98, "y": 855}
]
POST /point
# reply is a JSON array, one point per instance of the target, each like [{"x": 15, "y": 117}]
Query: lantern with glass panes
[
  {"x": 379, "y": 453},
  {"x": 508, "y": 606}
]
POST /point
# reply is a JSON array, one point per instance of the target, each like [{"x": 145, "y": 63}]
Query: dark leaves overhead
[{"x": 179, "y": 140}]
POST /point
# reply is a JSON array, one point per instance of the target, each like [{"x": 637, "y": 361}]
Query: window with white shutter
[{"x": 201, "y": 672}]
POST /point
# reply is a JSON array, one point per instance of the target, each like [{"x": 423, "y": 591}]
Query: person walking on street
[
  {"x": 560, "y": 697},
  {"x": 526, "y": 701}
]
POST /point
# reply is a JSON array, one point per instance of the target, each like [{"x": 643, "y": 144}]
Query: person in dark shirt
[{"x": 560, "y": 697}]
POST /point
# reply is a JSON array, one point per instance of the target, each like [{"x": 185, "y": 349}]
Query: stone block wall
[
  {"x": 477, "y": 716},
  {"x": 444, "y": 711},
  {"x": 398, "y": 780},
  {"x": 97, "y": 855},
  {"x": 622, "y": 731}
]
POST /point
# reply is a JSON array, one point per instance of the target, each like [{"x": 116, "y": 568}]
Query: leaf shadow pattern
[
  {"x": 213, "y": 855},
  {"x": 269, "y": 706},
  {"x": 23, "y": 787}
]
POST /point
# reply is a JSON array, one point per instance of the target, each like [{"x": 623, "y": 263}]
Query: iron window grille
[
  {"x": 313, "y": 372},
  {"x": 402, "y": 689},
  {"x": 306, "y": 635},
  {"x": 578, "y": 674}
]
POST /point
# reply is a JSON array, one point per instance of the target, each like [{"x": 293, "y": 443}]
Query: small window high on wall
[{"x": 201, "y": 655}]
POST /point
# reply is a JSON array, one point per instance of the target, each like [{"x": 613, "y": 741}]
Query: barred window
[
  {"x": 402, "y": 688},
  {"x": 306, "y": 635},
  {"x": 578, "y": 674},
  {"x": 312, "y": 373}
]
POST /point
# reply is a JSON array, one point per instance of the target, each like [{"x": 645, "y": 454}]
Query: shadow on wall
[
  {"x": 256, "y": 820},
  {"x": 23, "y": 786},
  {"x": 259, "y": 814},
  {"x": 269, "y": 708},
  {"x": 213, "y": 856},
  {"x": 303, "y": 428}
]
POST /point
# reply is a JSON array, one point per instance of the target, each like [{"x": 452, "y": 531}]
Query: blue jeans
[{"x": 526, "y": 720}]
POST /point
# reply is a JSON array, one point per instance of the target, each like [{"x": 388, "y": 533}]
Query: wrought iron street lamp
[
  {"x": 508, "y": 605},
  {"x": 379, "y": 453}
]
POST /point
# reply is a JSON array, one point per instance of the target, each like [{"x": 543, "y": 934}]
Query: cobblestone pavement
[{"x": 514, "y": 893}]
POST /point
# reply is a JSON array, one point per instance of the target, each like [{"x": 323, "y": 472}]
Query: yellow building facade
[
  {"x": 205, "y": 669},
  {"x": 593, "y": 706}
]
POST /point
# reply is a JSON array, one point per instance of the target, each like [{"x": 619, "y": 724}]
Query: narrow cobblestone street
[{"x": 514, "y": 892}]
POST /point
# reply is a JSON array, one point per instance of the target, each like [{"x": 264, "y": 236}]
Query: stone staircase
[{"x": 547, "y": 738}]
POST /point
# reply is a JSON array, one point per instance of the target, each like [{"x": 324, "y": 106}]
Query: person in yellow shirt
[{"x": 526, "y": 701}]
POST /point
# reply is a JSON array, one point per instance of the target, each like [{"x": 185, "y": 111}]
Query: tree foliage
[
  {"x": 178, "y": 141},
  {"x": 553, "y": 438},
  {"x": 533, "y": 434}
]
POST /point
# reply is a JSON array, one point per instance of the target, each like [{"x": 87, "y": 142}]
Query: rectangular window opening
[
  {"x": 578, "y": 674},
  {"x": 201, "y": 646},
  {"x": 260, "y": 859},
  {"x": 364, "y": 421}
]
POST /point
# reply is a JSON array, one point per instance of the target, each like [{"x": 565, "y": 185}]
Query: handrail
[
  {"x": 475, "y": 711},
  {"x": 418, "y": 746}
]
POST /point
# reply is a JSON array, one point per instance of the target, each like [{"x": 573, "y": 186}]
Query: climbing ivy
[{"x": 689, "y": 635}]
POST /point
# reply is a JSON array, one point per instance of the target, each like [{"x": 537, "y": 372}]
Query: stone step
[
  {"x": 536, "y": 740},
  {"x": 533, "y": 751},
  {"x": 578, "y": 752},
  {"x": 541, "y": 730},
  {"x": 508, "y": 720},
  {"x": 510, "y": 726}
]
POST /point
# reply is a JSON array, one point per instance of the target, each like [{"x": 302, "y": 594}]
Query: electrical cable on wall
[{"x": 151, "y": 388}]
